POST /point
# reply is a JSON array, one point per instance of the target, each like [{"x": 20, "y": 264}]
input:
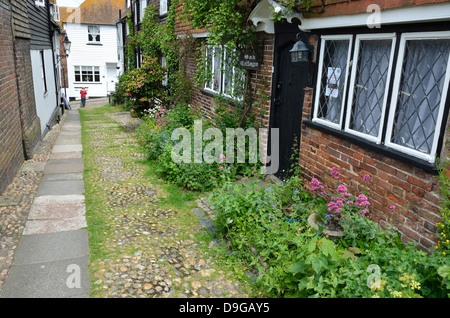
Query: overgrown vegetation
[{"x": 292, "y": 259}]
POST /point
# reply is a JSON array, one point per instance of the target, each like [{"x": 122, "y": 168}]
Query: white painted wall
[
  {"x": 45, "y": 101},
  {"x": 83, "y": 54}
]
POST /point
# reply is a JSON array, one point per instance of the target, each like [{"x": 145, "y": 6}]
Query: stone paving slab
[
  {"x": 57, "y": 207},
  {"x": 61, "y": 167},
  {"x": 65, "y": 161},
  {"x": 63, "y": 176},
  {"x": 54, "y": 225},
  {"x": 38, "y": 166},
  {"x": 58, "y": 279},
  {"x": 62, "y": 187},
  {"x": 66, "y": 155},
  {"x": 39, "y": 248},
  {"x": 11, "y": 200},
  {"x": 68, "y": 140},
  {"x": 67, "y": 148}
]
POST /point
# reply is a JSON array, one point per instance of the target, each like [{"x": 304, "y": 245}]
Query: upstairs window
[
  {"x": 55, "y": 13},
  {"x": 40, "y": 3},
  {"x": 93, "y": 33}
]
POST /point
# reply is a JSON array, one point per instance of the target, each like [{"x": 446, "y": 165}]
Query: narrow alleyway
[
  {"x": 141, "y": 245},
  {"x": 85, "y": 218}
]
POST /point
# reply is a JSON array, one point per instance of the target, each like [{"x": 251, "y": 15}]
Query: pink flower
[
  {"x": 366, "y": 177},
  {"x": 335, "y": 173},
  {"x": 392, "y": 207},
  {"x": 229, "y": 168},
  {"x": 342, "y": 188},
  {"x": 246, "y": 179},
  {"x": 212, "y": 178},
  {"x": 220, "y": 167}
]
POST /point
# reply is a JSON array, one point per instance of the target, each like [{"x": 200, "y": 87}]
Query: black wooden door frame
[{"x": 285, "y": 33}]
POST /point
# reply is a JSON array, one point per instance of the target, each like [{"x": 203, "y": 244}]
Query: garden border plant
[{"x": 301, "y": 262}]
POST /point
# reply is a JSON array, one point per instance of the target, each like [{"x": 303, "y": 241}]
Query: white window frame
[
  {"x": 142, "y": 6},
  {"x": 39, "y": 3},
  {"x": 165, "y": 80},
  {"x": 396, "y": 86},
  {"x": 222, "y": 50},
  {"x": 93, "y": 68},
  {"x": 211, "y": 82},
  {"x": 325, "y": 38},
  {"x": 93, "y": 38},
  {"x": 349, "y": 104},
  {"x": 233, "y": 77},
  {"x": 163, "y": 7},
  {"x": 55, "y": 13}
]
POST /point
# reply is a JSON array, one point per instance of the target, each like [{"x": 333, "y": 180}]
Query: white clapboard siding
[{"x": 83, "y": 54}]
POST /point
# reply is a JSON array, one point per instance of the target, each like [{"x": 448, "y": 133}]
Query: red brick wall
[
  {"x": 339, "y": 7},
  {"x": 260, "y": 83},
  {"x": 414, "y": 192},
  {"x": 11, "y": 155}
]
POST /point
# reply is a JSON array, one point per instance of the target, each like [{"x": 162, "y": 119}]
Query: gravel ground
[{"x": 146, "y": 249}]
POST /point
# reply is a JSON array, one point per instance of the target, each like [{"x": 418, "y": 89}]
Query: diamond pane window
[
  {"x": 420, "y": 91},
  {"x": 369, "y": 85},
  {"x": 330, "y": 93}
]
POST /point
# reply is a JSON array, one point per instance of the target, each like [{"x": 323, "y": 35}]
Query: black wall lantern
[
  {"x": 67, "y": 45},
  {"x": 301, "y": 51}
]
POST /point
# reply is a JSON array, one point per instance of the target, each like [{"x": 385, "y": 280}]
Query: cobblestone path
[{"x": 139, "y": 245}]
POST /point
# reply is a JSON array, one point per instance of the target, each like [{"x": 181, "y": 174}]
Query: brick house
[
  {"x": 20, "y": 130},
  {"x": 373, "y": 99},
  {"x": 135, "y": 9}
]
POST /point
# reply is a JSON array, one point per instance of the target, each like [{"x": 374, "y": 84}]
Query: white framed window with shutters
[
  {"x": 163, "y": 7},
  {"x": 369, "y": 85},
  {"x": 332, "y": 80}
]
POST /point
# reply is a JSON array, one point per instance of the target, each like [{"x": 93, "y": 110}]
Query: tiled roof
[{"x": 94, "y": 12}]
